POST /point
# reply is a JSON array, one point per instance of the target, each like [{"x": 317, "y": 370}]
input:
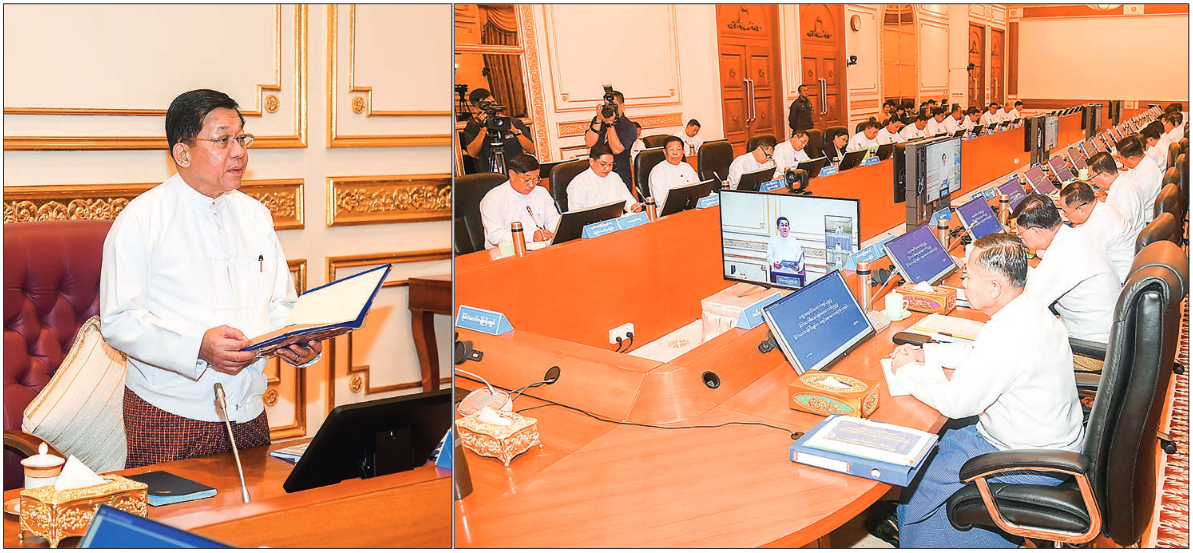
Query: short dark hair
[
  {"x": 797, "y": 89},
  {"x": 870, "y": 124},
  {"x": 1176, "y": 107},
  {"x": 1102, "y": 162},
  {"x": 973, "y": 110},
  {"x": 666, "y": 141},
  {"x": 693, "y": 122},
  {"x": 892, "y": 119},
  {"x": 477, "y": 95},
  {"x": 764, "y": 141},
  {"x": 522, "y": 163},
  {"x": 1003, "y": 254},
  {"x": 921, "y": 117},
  {"x": 782, "y": 219},
  {"x": 598, "y": 150},
  {"x": 1173, "y": 117},
  {"x": 1037, "y": 211},
  {"x": 184, "y": 118},
  {"x": 1018, "y": 103},
  {"x": 618, "y": 96},
  {"x": 1152, "y": 130},
  {"x": 956, "y": 108},
  {"x": 940, "y": 111},
  {"x": 993, "y": 105},
  {"x": 1129, "y": 146},
  {"x": 1077, "y": 194},
  {"x": 889, "y": 103},
  {"x": 799, "y": 132}
]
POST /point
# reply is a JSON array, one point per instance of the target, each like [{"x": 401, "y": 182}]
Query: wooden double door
[{"x": 751, "y": 94}]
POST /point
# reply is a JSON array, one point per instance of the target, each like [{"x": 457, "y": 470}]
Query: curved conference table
[{"x": 603, "y": 484}]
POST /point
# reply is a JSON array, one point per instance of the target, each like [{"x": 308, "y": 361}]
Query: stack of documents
[
  {"x": 944, "y": 328},
  {"x": 879, "y": 451},
  {"x": 290, "y": 454}
]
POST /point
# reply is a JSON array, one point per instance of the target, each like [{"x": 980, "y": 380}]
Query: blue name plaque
[
  {"x": 751, "y": 316},
  {"x": 633, "y": 220},
  {"x": 600, "y": 228},
  {"x": 828, "y": 171},
  {"x": 772, "y": 185},
  {"x": 711, "y": 200},
  {"x": 483, "y": 320},
  {"x": 872, "y": 160}
]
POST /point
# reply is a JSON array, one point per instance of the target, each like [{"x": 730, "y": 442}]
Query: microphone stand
[{"x": 222, "y": 402}]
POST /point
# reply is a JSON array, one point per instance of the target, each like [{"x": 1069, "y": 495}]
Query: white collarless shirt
[
  {"x": 935, "y": 128},
  {"x": 1012, "y": 115},
  {"x": 786, "y": 156},
  {"x": 175, "y": 264},
  {"x": 860, "y": 142},
  {"x": 951, "y": 125},
  {"x": 691, "y": 144},
  {"x": 1159, "y": 152},
  {"x": 503, "y": 205},
  {"x": 784, "y": 250},
  {"x": 967, "y": 123},
  {"x": 664, "y": 177},
  {"x": 1109, "y": 228},
  {"x": 1147, "y": 179},
  {"x": 988, "y": 118},
  {"x": 1076, "y": 273},
  {"x": 743, "y": 164},
  {"x": 1126, "y": 197},
  {"x": 1017, "y": 377},
  {"x": 589, "y": 190},
  {"x": 887, "y": 137},
  {"x": 910, "y": 132}
]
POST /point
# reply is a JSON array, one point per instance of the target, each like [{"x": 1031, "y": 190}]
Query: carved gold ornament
[
  {"x": 358, "y": 104},
  {"x": 272, "y": 104},
  {"x": 388, "y": 199},
  {"x": 356, "y": 383},
  {"x": 271, "y": 397}
]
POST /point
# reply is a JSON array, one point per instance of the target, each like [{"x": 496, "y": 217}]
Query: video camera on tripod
[{"x": 496, "y": 129}]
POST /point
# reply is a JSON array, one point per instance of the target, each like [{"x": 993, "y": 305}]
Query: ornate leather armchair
[
  {"x": 51, "y": 287},
  {"x": 469, "y": 190},
  {"x": 1163, "y": 227},
  {"x": 815, "y": 147},
  {"x": 1111, "y": 482}
]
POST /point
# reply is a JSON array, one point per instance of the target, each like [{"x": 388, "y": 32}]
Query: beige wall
[
  {"x": 1125, "y": 57},
  {"x": 391, "y": 62}
]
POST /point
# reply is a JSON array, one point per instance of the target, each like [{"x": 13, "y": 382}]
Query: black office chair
[
  {"x": 1182, "y": 166},
  {"x": 1112, "y": 481},
  {"x": 1170, "y": 201},
  {"x": 858, "y": 127},
  {"x": 545, "y": 171},
  {"x": 561, "y": 176},
  {"x": 1184, "y": 145},
  {"x": 468, "y": 191},
  {"x": 815, "y": 147},
  {"x": 1162, "y": 228},
  {"x": 752, "y": 143},
  {"x": 655, "y": 140},
  {"x": 461, "y": 238},
  {"x": 831, "y": 134},
  {"x": 713, "y": 159},
  {"x": 646, "y": 161},
  {"x": 1174, "y": 150}
]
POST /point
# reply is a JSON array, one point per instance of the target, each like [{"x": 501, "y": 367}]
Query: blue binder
[{"x": 899, "y": 475}]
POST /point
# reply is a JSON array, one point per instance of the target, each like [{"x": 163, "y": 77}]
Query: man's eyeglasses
[
  {"x": 605, "y": 165},
  {"x": 222, "y": 143},
  {"x": 532, "y": 180}
]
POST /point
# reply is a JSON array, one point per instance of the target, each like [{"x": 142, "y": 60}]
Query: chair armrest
[
  {"x": 25, "y": 444},
  {"x": 1087, "y": 382},
  {"x": 1051, "y": 460},
  {"x": 1088, "y": 348}
]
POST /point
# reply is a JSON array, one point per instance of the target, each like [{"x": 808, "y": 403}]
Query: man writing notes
[
  {"x": 936, "y": 125},
  {"x": 191, "y": 269},
  {"x": 889, "y": 133},
  {"x": 519, "y": 199},
  {"x": 1074, "y": 272},
  {"x": 1102, "y": 222},
  {"x": 599, "y": 185},
  {"x": 1017, "y": 377},
  {"x": 753, "y": 160},
  {"x": 866, "y": 137},
  {"x": 784, "y": 255},
  {"x": 916, "y": 129},
  {"x": 671, "y": 173},
  {"x": 1122, "y": 192}
]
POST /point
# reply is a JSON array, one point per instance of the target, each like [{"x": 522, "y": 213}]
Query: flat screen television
[
  {"x": 1051, "y": 129},
  {"x": 978, "y": 218},
  {"x": 919, "y": 256},
  {"x": 1013, "y": 190},
  {"x": 785, "y": 240},
  {"x": 943, "y": 162},
  {"x": 818, "y": 324}
]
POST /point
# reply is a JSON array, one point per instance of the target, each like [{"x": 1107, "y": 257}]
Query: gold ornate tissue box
[
  {"x": 503, "y": 442},
  {"x": 940, "y": 300},
  {"x": 56, "y": 514},
  {"x": 811, "y": 393}
]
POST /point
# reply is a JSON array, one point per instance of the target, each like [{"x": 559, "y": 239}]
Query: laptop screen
[
  {"x": 1038, "y": 181},
  {"x": 1013, "y": 190},
  {"x": 112, "y": 528}
]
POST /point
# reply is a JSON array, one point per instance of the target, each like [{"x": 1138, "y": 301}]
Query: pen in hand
[{"x": 533, "y": 218}]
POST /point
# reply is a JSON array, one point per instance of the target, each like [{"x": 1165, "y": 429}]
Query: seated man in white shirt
[
  {"x": 761, "y": 156},
  {"x": 671, "y": 173},
  {"x": 952, "y": 122},
  {"x": 889, "y": 133},
  {"x": 936, "y": 125},
  {"x": 1143, "y": 171},
  {"x": 639, "y": 145},
  {"x": 1075, "y": 271},
  {"x": 864, "y": 138},
  {"x": 1174, "y": 128},
  {"x": 179, "y": 296},
  {"x": 1017, "y": 377},
  {"x": 1016, "y": 112},
  {"x": 691, "y": 142},
  {"x": 519, "y": 199},
  {"x": 991, "y": 116},
  {"x": 918, "y": 129},
  {"x": 783, "y": 252},
  {"x": 791, "y": 152},
  {"x": 1117, "y": 189},
  {"x": 971, "y": 118},
  {"x": 1102, "y": 222},
  {"x": 1157, "y": 143},
  {"x": 599, "y": 185}
]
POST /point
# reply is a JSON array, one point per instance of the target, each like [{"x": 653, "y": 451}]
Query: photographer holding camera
[
  {"x": 611, "y": 114},
  {"x": 514, "y": 136}
]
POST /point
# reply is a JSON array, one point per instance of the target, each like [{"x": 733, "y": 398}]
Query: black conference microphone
[
  {"x": 221, "y": 403},
  {"x": 464, "y": 351}
]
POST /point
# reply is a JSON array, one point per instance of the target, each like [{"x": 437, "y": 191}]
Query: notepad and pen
[
  {"x": 324, "y": 312},
  {"x": 166, "y": 488},
  {"x": 944, "y": 328}
]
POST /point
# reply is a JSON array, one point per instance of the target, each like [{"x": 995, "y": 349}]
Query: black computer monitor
[
  {"x": 960, "y": 133},
  {"x": 852, "y": 159},
  {"x": 884, "y": 151},
  {"x": 111, "y": 528},
  {"x": 753, "y": 180},
  {"x": 685, "y": 197},
  {"x": 821, "y": 234},
  {"x": 919, "y": 256},
  {"x": 373, "y": 438},
  {"x": 813, "y": 166},
  {"x": 977, "y": 130},
  {"x": 571, "y": 224}
]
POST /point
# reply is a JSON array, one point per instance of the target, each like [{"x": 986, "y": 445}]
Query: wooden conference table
[
  {"x": 602, "y": 484},
  {"x": 406, "y": 509}
]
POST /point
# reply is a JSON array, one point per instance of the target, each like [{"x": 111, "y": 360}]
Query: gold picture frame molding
[{"x": 383, "y": 199}]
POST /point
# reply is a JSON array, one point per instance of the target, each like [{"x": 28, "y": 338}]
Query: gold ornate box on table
[
  {"x": 941, "y": 299},
  {"x": 56, "y": 514},
  {"x": 503, "y": 442},
  {"x": 810, "y": 393}
]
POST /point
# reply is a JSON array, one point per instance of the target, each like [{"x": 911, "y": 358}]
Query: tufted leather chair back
[
  {"x": 1174, "y": 150},
  {"x": 51, "y": 287},
  {"x": 1163, "y": 227},
  {"x": 1120, "y": 439},
  {"x": 468, "y": 191},
  {"x": 655, "y": 140},
  {"x": 815, "y": 147}
]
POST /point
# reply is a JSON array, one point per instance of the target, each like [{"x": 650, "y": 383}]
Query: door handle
[
  {"x": 749, "y": 100},
  {"x": 753, "y": 101},
  {"x": 823, "y": 96}
]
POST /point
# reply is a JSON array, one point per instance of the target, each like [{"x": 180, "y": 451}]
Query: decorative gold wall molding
[
  {"x": 336, "y": 140},
  {"x": 577, "y": 128},
  {"x": 367, "y": 99},
  {"x": 55, "y": 202},
  {"x": 873, "y": 103},
  {"x": 336, "y": 263},
  {"x": 531, "y": 65},
  {"x": 298, "y": 271},
  {"x": 384, "y": 199},
  {"x": 107, "y": 143}
]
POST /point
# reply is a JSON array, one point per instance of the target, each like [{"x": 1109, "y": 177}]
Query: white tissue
[
  {"x": 923, "y": 287},
  {"x": 76, "y": 475},
  {"x": 830, "y": 381},
  {"x": 489, "y": 416}
]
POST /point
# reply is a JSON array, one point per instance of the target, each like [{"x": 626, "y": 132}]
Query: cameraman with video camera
[
  {"x": 611, "y": 114},
  {"x": 491, "y": 125}
]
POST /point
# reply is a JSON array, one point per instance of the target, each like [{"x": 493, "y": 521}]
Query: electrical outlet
[{"x": 620, "y": 332}]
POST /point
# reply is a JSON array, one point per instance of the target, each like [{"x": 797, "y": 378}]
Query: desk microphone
[{"x": 221, "y": 402}]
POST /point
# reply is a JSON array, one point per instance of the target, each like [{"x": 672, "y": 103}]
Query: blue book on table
[{"x": 902, "y": 440}]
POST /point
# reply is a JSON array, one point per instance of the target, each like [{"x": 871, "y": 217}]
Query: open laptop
[
  {"x": 753, "y": 180},
  {"x": 571, "y": 224},
  {"x": 1039, "y": 181},
  {"x": 111, "y": 528},
  {"x": 852, "y": 159},
  {"x": 685, "y": 197},
  {"x": 813, "y": 166}
]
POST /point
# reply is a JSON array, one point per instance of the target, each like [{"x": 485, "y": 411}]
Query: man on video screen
[{"x": 784, "y": 256}]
